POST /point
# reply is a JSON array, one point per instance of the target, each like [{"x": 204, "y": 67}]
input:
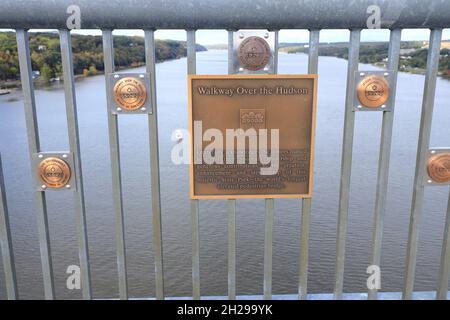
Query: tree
[{"x": 46, "y": 73}]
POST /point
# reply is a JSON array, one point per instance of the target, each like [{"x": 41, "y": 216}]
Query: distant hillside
[
  {"x": 87, "y": 53},
  {"x": 413, "y": 54}
]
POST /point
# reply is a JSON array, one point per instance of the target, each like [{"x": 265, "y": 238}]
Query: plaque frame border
[{"x": 194, "y": 196}]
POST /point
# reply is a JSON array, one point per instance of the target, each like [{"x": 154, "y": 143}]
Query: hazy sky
[{"x": 207, "y": 37}]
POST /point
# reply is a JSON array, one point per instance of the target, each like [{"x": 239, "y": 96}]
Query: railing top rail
[{"x": 224, "y": 14}]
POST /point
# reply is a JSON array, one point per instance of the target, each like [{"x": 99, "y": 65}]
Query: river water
[{"x": 172, "y": 112}]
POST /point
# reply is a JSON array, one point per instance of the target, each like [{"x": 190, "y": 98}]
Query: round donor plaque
[
  {"x": 439, "y": 168},
  {"x": 373, "y": 91},
  {"x": 254, "y": 53},
  {"x": 54, "y": 172},
  {"x": 130, "y": 93}
]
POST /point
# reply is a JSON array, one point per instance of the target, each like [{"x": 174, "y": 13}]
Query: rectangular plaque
[{"x": 252, "y": 136}]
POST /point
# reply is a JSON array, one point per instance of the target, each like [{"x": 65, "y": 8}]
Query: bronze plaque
[
  {"x": 373, "y": 91},
  {"x": 254, "y": 53},
  {"x": 54, "y": 172},
  {"x": 252, "y": 136},
  {"x": 130, "y": 93},
  {"x": 438, "y": 168}
]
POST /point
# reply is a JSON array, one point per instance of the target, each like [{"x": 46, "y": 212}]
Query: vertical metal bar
[
  {"x": 154, "y": 164},
  {"x": 268, "y": 236},
  {"x": 34, "y": 146},
  {"x": 230, "y": 52},
  {"x": 268, "y": 249},
  {"x": 275, "y": 53},
  {"x": 383, "y": 162},
  {"x": 195, "y": 250},
  {"x": 108, "y": 54},
  {"x": 346, "y": 164},
  {"x": 231, "y": 207},
  {"x": 313, "y": 61},
  {"x": 6, "y": 243},
  {"x": 232, "y": 249},
  {"x": 72, "y": 125},
  {"x": 422, "y": 151},
  {"x": 268, "y": 242},
  {"x": 191, "y": 69},
  {"x": 444, "y": 269}
]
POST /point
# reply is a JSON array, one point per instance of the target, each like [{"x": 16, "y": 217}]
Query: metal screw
[
  {"x": 40, "y": 156},
  {"x": 433, "y": 151},
  {"x": 359, "y": 107},
  {"x": 241, "y": 69},
  {"x": 386, "y": 73},
  {"x": 143, "y": 108},
  {"x": 266, "y": 69},
  {"x": 43, "y": 186},
  {"x": 64, "y": 156},
  {"x": 241, "y": 35},
  {"x": 266, "y": 35},
  {"x": 362, "y": 74},
  {"x": 119, "y": 109},
  {"x": 429, "y": 181},
  {"x": 116, "y": 76},
  {"x": 383, "y": 106},
  {"x": 67, "y": 186},
  {"x": 141, "y": 76}
]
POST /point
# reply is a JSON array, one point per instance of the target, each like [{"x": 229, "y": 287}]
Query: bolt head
[
  {"x": 430, "y": 181},
  {"x": 67, "y": 186},
  {"x": 433, "y": 151},
  {"x": 241, "y": 35},
  {"x": 359, "y": 106},
  {"x": 141, "y": 76},
  {"x": 40, "y": 156},
  {"x": 116, "y": 76},
  {"x": 383, "y": 106},
  {"x": 362, "y": 74},
  {"x": 119, "y": 109},
  {"x": 64, "y": 155},
  {"x": 43, "y": 186}
]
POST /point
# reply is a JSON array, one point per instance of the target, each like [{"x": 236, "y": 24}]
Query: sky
[{"x": 209, "y": 37}]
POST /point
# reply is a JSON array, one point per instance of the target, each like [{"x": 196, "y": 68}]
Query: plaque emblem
[
  {"x": 130, "y": 93},
  {"x": 373, "y": 91},
  {"x": 54, "y": 172},
  {"x": 253, "y": 118},
  {"x": 439, "y": 168},
  {"x": 254, "y": 53}
]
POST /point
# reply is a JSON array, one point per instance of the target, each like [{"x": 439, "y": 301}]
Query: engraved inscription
[
  {"x": 254, "y": 53},
  {"x": 54, "y": 172},
  {"x": 439, "y": 168},
  {"x": 373, "y": 91},
  {"x": 130, "y": 93}
]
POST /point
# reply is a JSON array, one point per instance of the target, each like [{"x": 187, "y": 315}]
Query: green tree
[{"x": 46, "y": 73}]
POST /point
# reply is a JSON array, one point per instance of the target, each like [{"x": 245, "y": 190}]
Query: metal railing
[{"x": 230, "y": 15}]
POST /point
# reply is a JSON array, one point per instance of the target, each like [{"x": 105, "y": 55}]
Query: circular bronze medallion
[
  {"x": 54, "y": 172},
  {"x": 254, "y": 53},
  {"x": 130, "y": 93},
  {"x": 373, "y": 91},
  {"x": 439, "y": 168}
]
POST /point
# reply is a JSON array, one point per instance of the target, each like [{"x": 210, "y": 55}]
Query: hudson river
[{"x": 176, "y": 220}]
